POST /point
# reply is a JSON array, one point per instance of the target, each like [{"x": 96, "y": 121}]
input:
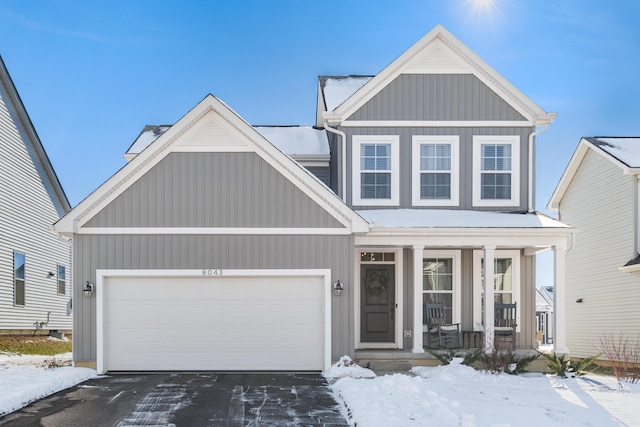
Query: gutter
[{"x": 343, "y": 154}]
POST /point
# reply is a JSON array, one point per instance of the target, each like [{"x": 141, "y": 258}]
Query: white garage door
[{"x": 213, "y": 323}]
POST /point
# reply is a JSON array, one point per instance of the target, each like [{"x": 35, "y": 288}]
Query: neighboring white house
[
  {"x": 598, "y": 194},
  {"x": 35, "y": 263},
  {"x": 544, "y": 314}
]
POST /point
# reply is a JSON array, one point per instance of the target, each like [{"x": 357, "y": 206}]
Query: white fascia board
[
  {"x": 477, "y": 66},
  {"x": 214, "y": 231},
  {"x": 165, "y": 144}
]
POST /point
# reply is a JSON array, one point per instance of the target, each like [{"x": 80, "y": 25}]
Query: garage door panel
[{"x": 235, "y": 323}]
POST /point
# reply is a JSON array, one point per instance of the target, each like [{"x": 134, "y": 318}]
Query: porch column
[
  {"x": 417, "y": 299},
  {"x": 559, "y": 301},
  {"x": 489, "y": 287}
]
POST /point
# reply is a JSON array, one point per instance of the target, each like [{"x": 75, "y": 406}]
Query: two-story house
[
  {"x": 218, "y": 238},
  {"x": 598, "y": 194},
  {"x": 35, "y": 263}
]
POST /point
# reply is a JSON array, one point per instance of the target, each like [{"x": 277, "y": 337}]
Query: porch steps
[{"x": 379, "y": 366}]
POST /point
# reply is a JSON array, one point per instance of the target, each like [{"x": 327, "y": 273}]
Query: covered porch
[{"x": 449, "y": 257}]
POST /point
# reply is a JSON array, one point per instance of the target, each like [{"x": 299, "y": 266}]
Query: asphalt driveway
[{"x": 185, "y": 399}]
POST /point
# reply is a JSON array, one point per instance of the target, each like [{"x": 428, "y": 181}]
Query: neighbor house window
[
  {"x": 376, "y": 167},
  {"x": 441, "y": 282},
  {"x": 435, "y": 170},
  {"x": 18, "y": 278},
  {"x": 506, "y": 286},
  {"x": 496, "y": 170},
  {"x": 62, "y": 279}
]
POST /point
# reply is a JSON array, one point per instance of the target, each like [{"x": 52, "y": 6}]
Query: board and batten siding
[
  {"x": 128, "y": 252},
  {"x": 436, "y": 97},
  {"x": 213, "y": 190},
  {"x": 28, "y": 208},
  {"x": 599, "y": 202},
  {"x": 466, "y": 161}
]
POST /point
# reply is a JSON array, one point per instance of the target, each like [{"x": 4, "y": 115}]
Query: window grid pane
[
  {"x": 375, "y": 157},
  {"x": 435, "y": 158}
]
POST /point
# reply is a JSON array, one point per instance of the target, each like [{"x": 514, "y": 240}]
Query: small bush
[
  {"x": 583, "y": 366},
  {"x": 471, "y": 358},
  {"x": 501, "y": 360},
  {"x": 444, "y": 357},
  {"x": 623, "y": 352},
  {"x": 54, "y": 362},
  {"x": 559, "y": 365}
]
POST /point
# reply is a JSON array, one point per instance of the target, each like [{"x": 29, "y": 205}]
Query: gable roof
[
  {"x": 624, "y": 152},
  {"x": 439, "y": 52},
  {"x": 210, "y": 126},
  {"x": 43, "y": 158}
]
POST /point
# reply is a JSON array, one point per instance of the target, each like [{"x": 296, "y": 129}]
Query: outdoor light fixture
[
  {"x": 88, "y": 289},
  {"x": 338, "y": 288},
  {"x": 579, "y": 300},
  {"x": 51, "y": 274}
]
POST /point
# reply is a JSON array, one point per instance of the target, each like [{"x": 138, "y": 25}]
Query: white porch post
[
  {"x": 418, "y": 252},
  {"x": 559, "y": 301},
  {"x": 489, "y": 287}
]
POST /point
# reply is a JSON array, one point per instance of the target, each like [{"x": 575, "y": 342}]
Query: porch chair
[
  {"x": 505, "y": 324},
  {"x": 439, "y": 331}
]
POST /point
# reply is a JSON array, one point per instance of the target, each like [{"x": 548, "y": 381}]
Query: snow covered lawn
[
  {"x": 458, "y": 395},
  {"x": 23, "y": 379}
]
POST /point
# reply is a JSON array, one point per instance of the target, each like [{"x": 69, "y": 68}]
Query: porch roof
[{"x": 449, "y": 218}]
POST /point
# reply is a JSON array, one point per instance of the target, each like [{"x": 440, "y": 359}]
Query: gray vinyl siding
[
  {"x": 436, "y": 97},
  {"x": 466, "y": 161},
  {"x": 29, "y": 206},
  {"x": 94, "y": 252},
  {"x": 322, "y": 173},
  {"x": 526, "y": 336},
  {"x": 599, "y": 202},
  {"x": 213, "y": 190}
]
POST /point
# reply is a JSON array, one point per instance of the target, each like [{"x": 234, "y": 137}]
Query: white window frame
[
  {"x": 357, "y": 142},
  {"x": 514, "y": 141},
  {"x": 456, "y": 289},
  {"x": 64, "y": 288},
  {"x": 454, "y": 142},
  {"x": 22, "y": 279},
  {"x": 478, "y": 255}
]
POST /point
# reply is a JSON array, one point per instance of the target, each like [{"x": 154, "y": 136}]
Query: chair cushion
[
  {"x": 503, "y": 329},
  {"x": 449, "y": 328}
]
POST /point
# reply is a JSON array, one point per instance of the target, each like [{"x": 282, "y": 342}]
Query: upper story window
[
  {"x": 62, "y": 279},
  {"x": 18, "y": 278},
  {"x": 376, "y": 167},
  {"x": 435, "y": 170},
  {"x": 496, "y": 171}
]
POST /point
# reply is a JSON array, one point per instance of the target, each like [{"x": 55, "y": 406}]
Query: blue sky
[{"x": 92, "y": 75}]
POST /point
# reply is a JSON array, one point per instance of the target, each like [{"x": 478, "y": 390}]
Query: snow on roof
[
  {"x": 296, "y": 140},
  {"x": 338, "y": 88},
  {"x": 292, "y": 140},
  {"x": 444, "y": 218},
  {"x": 625, "y": 149},
  {"x": 149, "y": 134}
]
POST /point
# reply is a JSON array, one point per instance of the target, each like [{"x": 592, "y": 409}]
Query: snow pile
[
  {"x": 345, "y": 367},
  {"x": 23, "y": 380},
  {"x": 458, "y": 395}
]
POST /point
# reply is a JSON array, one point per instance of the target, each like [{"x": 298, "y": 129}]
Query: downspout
[
  {"x": 533, "y": 134},
  {"x": 343, "y": 160}
]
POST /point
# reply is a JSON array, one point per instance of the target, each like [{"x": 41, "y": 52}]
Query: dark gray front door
[{"x": 377, "y": 303}]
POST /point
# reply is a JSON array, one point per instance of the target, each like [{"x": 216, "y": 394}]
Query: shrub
[
  {"x": 583, "y": 366},
  {"x": 559, "y": 365},
  {"x": 501, "y": 360},
  {"x": 444, "y": 357},
  {"x": 53, "y": 362},
  {"x": 623, "y": 352}
]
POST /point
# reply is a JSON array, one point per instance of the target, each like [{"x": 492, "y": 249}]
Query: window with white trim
[
  {"x": 496, "y": 170},
  {"x": 441, "y": 282},
  {"x": 19, "y": 278},
  {"x": 435, "y": 162},
  {"x": 506, "y": 283},
  {"x": 376, "y": 164},
  {"x": 62, "y": 279}
]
